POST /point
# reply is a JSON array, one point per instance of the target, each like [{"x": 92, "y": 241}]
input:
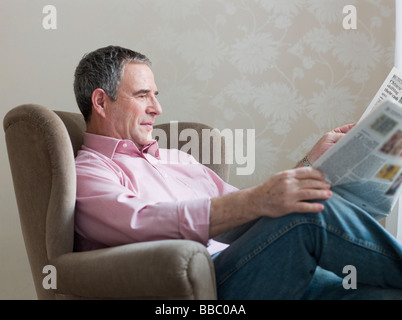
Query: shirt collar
[{"x": 108, "y": 146}]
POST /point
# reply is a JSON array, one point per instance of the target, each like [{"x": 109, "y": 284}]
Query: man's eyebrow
[{"x": 145, "y": 91}]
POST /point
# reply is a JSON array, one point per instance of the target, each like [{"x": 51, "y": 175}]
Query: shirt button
[
  {"x": 125, "y": 145},
  {"x": 166, "y": 176}
]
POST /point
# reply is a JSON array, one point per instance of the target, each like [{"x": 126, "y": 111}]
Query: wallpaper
[
  {"x": 288, "y": 69},
  {"x": 272, "y": 75}
]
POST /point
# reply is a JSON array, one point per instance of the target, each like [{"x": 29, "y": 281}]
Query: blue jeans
[{"x": 302, "y": 256}]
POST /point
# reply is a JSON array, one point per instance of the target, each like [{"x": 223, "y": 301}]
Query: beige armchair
[{"x": 41, "y": 145}]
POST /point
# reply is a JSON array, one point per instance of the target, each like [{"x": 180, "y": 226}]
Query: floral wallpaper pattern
[{"x": 286, "y": 68}]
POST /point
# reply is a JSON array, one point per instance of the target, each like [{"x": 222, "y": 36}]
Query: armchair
[{"x": 41, "y": 146}]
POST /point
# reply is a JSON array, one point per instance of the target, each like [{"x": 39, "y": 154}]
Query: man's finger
[
  {"x": 309, "y": 173},
  {"x": 314, "y": 184},
  {"x": 345, "y": 129},
  {"x": 309, "y": 207},
  {"x": 314, "y": 194}
]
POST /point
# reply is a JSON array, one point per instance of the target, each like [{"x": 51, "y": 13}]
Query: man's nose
[{"x": 155, "y": 107}]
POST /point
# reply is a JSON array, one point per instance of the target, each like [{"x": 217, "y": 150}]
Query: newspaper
[
  {"x": 364, "y": 167},
  {"x": 391, "y": 88}
]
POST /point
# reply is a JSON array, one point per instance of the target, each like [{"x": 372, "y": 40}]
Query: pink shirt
[{"x": 125, "y": 195}]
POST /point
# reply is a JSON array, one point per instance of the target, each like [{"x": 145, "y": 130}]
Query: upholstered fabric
[{"x": 41, "y": 145}]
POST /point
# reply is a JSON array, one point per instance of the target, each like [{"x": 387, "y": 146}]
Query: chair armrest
[{"x": 168, "y": 269}]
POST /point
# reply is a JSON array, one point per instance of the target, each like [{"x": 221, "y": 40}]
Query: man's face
[{"x": 133, "y": 113}]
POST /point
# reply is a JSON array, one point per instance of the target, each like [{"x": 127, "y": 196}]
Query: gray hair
[{"x": 102, "y": 68}]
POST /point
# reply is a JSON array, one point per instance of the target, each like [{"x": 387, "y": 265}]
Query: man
[{"x": 284, "y": 234}]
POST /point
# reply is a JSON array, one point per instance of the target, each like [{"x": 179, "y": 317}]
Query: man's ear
[{"x": 98, "y": 101}]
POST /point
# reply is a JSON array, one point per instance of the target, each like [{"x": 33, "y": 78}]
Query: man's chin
[{"x": 145, "y": 142}]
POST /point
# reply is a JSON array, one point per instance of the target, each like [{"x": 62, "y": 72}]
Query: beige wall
[{"x": 286, "y": 68}]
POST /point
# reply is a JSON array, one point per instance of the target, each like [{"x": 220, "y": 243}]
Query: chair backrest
[
  {"x": 42, "y": 166},
  {"x": 41, "y": 147}
]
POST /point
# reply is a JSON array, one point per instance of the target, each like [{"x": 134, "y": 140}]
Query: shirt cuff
[{"x": 194, "y": 219}]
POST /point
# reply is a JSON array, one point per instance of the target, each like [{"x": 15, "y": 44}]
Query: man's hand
[
  {"x": 286, "y": 192},
  {"x": 327, "y": 141},
  {"x": 290, "y": 191}
]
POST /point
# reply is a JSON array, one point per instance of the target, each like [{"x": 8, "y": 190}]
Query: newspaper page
[
  {"x": 391, "y": 88},
  {"x": 364, "y": 167}
]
